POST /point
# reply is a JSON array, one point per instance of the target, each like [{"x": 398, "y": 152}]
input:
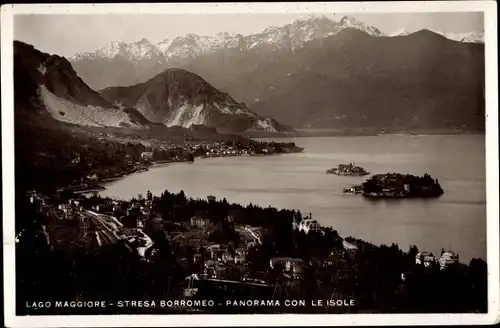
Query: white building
[
  {"x": 448, "y": 258},
  {"x": 308, "y": 225},
  {"x": 197, "y": 221},
  {"x": 92, "y": 176},
  {"x": 147, "y": 155},
  {"x": 64, "y": 207},
  {"x": 226, "y": 257},
  {"x": 425, "y": 258},
  {"x": 289, "y": 263},
  {"x": 350, "y": 248},
  {"x": 238, "y": 259}
]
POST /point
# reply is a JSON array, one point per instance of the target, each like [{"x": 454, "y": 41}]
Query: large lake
[{"x": 456, "y": 220}]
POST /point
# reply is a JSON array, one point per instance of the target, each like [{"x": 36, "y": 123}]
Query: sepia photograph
[{"x": 254, "y": 163}]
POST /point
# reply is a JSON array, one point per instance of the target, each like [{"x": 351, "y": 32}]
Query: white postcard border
[{"x": 493, "y": 258}]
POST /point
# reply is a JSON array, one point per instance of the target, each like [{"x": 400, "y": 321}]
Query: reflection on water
[{"x": 456, "y": 220}]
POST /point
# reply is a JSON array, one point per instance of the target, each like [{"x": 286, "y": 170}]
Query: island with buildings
[
  {"x": 397, "y": 185},
  {"x": 348, "y": 170}
]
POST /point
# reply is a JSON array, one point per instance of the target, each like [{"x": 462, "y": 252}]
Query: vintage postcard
[{"x": 246, "y": 164}]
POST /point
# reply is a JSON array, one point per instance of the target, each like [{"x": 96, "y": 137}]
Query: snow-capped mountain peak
[
  {"x": 143, "y": 49},
  {"x": 164, "y": 45},
  {"x": 191, "y": 45},
  {"x": 109, "y": 51},
  {"x": 400, "y": 32},
  {"x": 289, "y": 36},
  {"x": 467, "y": 37},
  {"x": 187, "y": 46},
  {"x": 132, "y": 51},
  {"x": 475, "y": 37},
  {"x": 294, "y": 35},
  {"x": 227, "y": 35},
  {"x": 351, "y": 22},
  {"x": 143, "y": 41}
]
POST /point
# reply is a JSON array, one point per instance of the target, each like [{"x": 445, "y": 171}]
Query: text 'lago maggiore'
[{"x": 189, "y": 303}]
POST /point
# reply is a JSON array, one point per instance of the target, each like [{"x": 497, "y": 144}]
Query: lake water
[{"x": 456, "y": 220}]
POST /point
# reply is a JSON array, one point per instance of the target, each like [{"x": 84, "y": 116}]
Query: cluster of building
[
  {"x": 212, "y": 260},
  {"x": 222, "y": 149},
  {"x": 447, "y": 259},
  {"x": 44, "y": 205},
  {"x": 216, "y": 261},
  {"x": 87, "y": 223},
  {"x": 307, "y": 225},
  {"x": 219, "y": 149},
  {"x": 131, "y": 214},
  {"x": 293, "y": 267},
  {"x": 207, "y": 149},
  {"x": 347, "y": 169},
  {"x": 220, "y": 259}
]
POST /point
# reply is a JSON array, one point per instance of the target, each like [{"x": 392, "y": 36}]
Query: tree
[{"x": 412, "y": 253}]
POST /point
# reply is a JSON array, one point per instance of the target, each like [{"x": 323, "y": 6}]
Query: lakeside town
[
  {"x": 198, "y": 249},
  {"x": 141, "y": 157}
]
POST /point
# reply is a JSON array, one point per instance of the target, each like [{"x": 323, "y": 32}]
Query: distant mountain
[
  {"x": 467, "y": 37},
  {"x": 121, "y": 64},
  {"x": 400, "y": 32},
  {"x": 353, "y": 79},
  {"x": 177, "y": 97},
  {"x": 47, "y": 85},
  {"x": 192, "y": 45},
  {"x": 131, "y": 51},
  {"x": 350, "y": 22}
]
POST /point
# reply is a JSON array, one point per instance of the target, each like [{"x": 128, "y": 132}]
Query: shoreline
[
  {"x": 348, "y": 239},
  {"x": 336, "y": 133},
  {"x": 89, "y": 190},
  {"x": 162, "y": 163}
]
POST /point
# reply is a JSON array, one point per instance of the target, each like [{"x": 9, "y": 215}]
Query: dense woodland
[{"x": 372, "y": 276}]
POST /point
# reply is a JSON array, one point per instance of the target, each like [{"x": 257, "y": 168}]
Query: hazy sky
[{"x": 69, "y": 34}]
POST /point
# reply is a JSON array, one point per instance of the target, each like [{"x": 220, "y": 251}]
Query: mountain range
[
  {"x": 47, "y": 86},
  {"x": 121, "y": 63},
  {"x": 317, "y": 73}
]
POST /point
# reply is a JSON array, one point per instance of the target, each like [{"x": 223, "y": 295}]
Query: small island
[
  {"x": 397, "y": 185},
  {"x": 347, "y": 170}
]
